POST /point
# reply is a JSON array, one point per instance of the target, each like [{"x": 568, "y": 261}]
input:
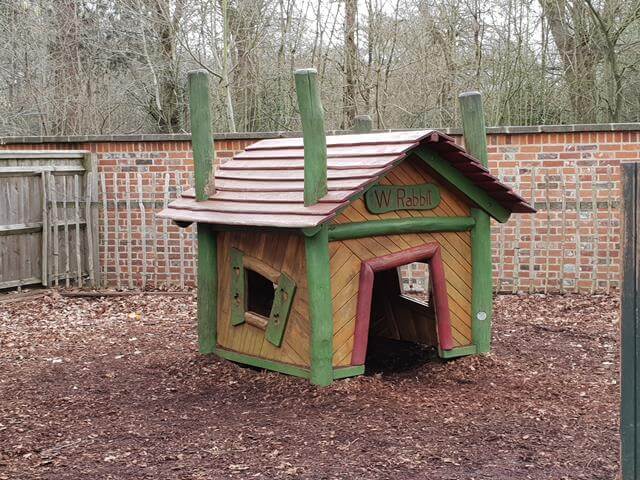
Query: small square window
[{"x": 260, "y": 293}]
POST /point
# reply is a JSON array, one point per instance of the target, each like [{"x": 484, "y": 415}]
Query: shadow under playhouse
[{"x": 300, "y": 239}]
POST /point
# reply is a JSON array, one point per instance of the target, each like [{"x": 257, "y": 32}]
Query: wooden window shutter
[
  {"x": 280, "y": 310},
  {"x": 238, "y": 302}
]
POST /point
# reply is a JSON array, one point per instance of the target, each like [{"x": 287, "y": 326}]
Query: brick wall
[{"x": 570, "y": 172}]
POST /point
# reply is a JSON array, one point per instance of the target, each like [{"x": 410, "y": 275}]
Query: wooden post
[
  {"x": 315, "y": 142},
  {"x": 475, "y": 139},
  {"x": 630, "y": 325},
  {"x": 207, "y": 288},
  {"x": 201, "y": 137},
  {"x": 362, "y": 124},
  {"x": 203, "y": 159},
  {"x": 320, "y": 310}
]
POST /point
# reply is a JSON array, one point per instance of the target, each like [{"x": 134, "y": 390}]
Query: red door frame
[{"x": 429, "y": 252}]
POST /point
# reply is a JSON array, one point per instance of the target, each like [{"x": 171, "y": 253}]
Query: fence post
[{"x": 630, "y": 323}]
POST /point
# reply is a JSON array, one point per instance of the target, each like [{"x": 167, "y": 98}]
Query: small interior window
[
  {"x": 415, "y": 282},
  {"x": 260, "y": 293}
]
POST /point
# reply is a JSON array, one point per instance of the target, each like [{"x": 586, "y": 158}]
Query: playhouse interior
[{"x": 402, "y": 329}]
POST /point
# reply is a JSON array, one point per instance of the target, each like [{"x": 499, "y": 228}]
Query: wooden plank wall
[
  {"x": 46, "y": 199},
  {"x": 346, "y": 257},
  {"x": 397, "y": 316},
  {"x": 285, "y": 253}
]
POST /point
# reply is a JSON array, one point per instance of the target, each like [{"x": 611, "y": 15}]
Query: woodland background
[{"x": 71, "y": 67}]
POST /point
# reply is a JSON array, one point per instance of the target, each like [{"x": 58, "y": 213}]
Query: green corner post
[
  {"x": 203, "y": 159},
  {"x": 362, "y": 124},
  {"x": 316, "y": 241},
  {"x": 315, "y": 141},
  {"x": 475, "y": 139}
]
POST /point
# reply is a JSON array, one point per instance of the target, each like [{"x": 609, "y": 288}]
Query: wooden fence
[
  {"x": 571, "y": 245},
  {"x": 48, "y": 218}
]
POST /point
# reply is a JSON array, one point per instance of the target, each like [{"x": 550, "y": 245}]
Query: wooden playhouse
[{"x": 300, "y": 240}]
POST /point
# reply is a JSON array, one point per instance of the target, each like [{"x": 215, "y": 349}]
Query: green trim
[
  {"x": 351, "y": 371},
  {"x": 272, "y": 365},
  {"x": 462, "y": 183},
  {"x": 482, "y": 281},
  {"x": 201, "y": 138},
  {"x": 207, "y": 288},
  {"x": 458, "y": 352},
  {"x": 314, "y": 138},
  {"x": 475, "y": 140},
  {"x": 282, "y": 300},
  {"x": 398, "y": 226},
  {"x": 311, "y": 231},
  {"x": 262, "y": 363},
  {"x": 238, "y": 284},
  {"x": 320, "y": 310}
]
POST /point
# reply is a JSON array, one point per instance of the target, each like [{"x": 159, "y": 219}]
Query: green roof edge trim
[{"x": 463, "y": 184}]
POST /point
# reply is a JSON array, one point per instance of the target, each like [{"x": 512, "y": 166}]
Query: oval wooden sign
[{"x": 387, "y": 198}]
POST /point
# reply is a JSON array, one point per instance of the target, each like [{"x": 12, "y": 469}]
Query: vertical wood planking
[
  {"x": 143, "y": 228},
  {"x": 76, "y": 191},
  {"x": 89, "y": 232},
  {"x": 45, "y": 230},
  {"x": 54, "y": 224},
  {"x": 67, "y": 269}
]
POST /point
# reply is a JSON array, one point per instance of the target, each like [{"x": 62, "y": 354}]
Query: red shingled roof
[{"x": 263, "y": 185}]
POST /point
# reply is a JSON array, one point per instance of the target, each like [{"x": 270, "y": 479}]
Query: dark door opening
[
  {"x": 402, "y": 328},
  {"x": 394, "y": 330}
]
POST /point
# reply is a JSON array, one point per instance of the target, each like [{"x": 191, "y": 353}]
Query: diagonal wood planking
[
  {"x": 285, "y": 253},
  {"x": 346, "y": 257}
]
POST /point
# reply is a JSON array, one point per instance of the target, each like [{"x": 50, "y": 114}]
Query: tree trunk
[
  {"x": 572, "y": 35},
  {"x": 350, "y": 59}
]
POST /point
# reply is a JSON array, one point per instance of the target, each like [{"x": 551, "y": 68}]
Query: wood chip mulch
[{"x": 114, "y": 388}]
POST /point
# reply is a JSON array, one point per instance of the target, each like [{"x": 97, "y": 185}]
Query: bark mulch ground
[{"x": 114, "y": 388}]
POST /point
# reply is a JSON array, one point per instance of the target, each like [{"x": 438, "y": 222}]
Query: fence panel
[{"x": 45, "y": 236}]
